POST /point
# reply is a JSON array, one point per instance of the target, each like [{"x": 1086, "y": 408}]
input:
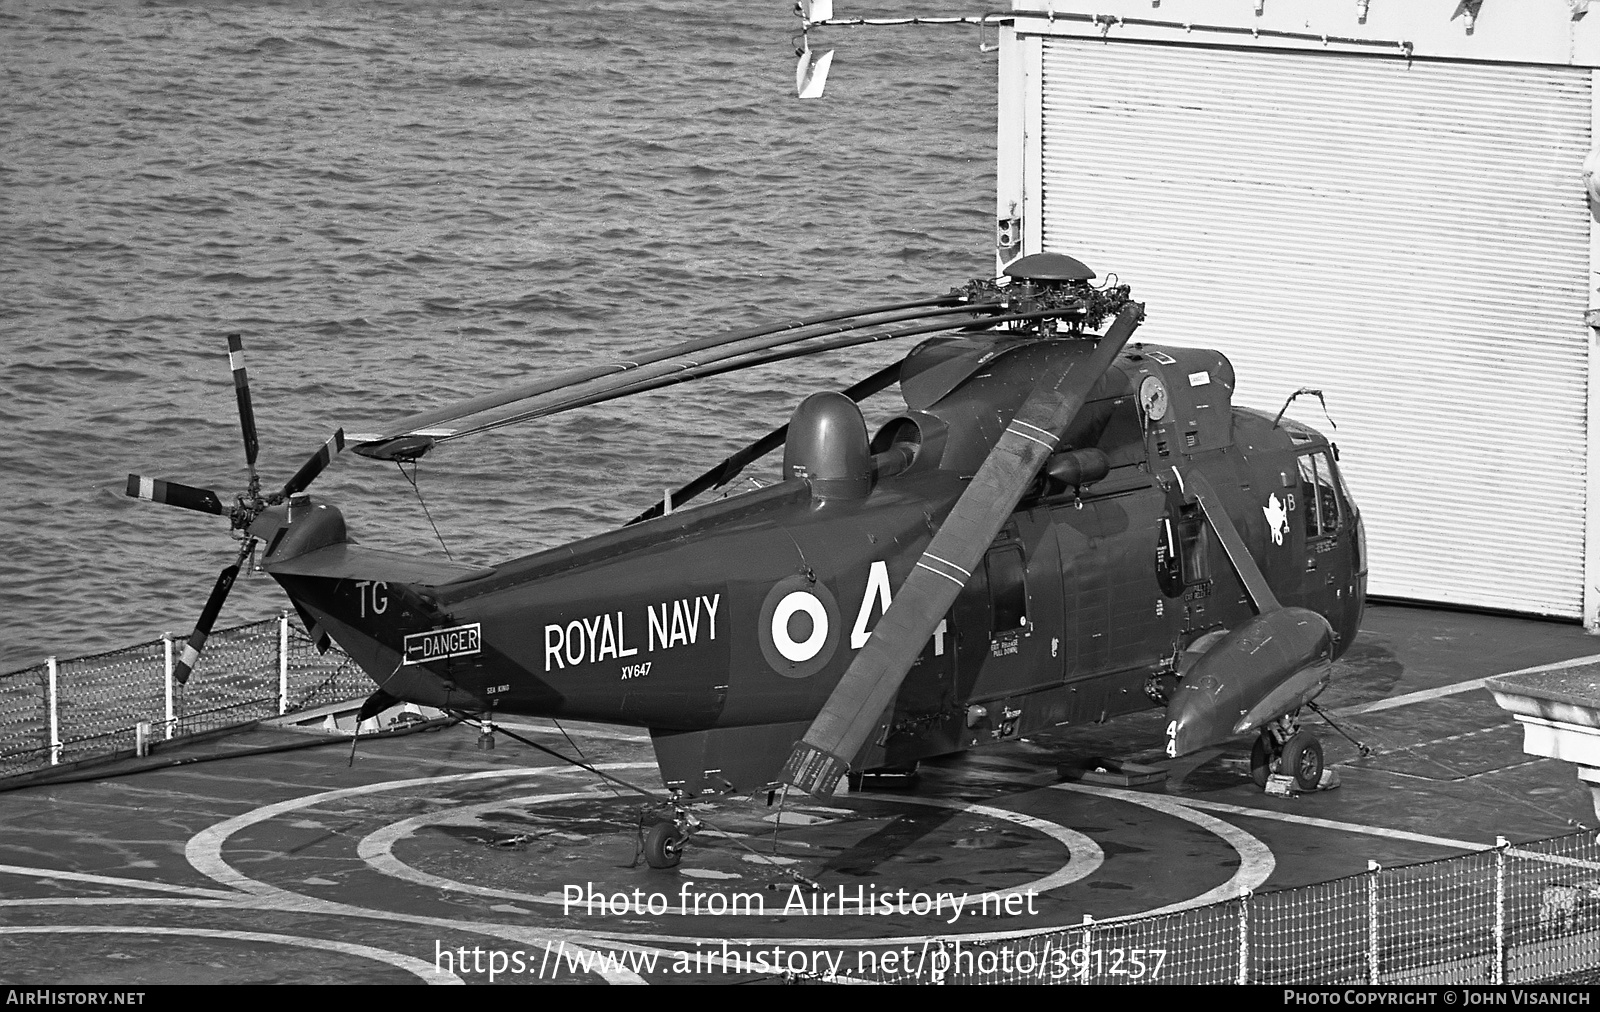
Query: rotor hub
[{"x": 1053, "y": 284}]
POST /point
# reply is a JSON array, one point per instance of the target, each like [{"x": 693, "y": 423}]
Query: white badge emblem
[{"x": 1277, "y": 519}]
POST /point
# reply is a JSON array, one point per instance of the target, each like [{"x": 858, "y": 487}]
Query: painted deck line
[
  {"x": 607, "y": 970},
  {"x": 1256, "y": 862},
  {"x": 420, "y": 968},
  {"x": 1410, "y": 698},
  {"x": 1424, "y": 695},
  {"x": 1084, "y": 856},
  {"x": 1570, "y": 862},
  {"x": 204, "y": 853},
  {"x": 1341, "y": 827},
  {"x": 584, "y": 731},
  {"x": 110, "y": 880}
]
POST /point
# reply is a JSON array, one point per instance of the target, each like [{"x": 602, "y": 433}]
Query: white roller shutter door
[{"x": 1412, "y": 238}]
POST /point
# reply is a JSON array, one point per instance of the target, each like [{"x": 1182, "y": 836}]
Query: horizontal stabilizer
[{"x": 354, "y": 562}]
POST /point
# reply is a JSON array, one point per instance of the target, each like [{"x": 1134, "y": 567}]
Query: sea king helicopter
[{"x": 1061, "y": 527}]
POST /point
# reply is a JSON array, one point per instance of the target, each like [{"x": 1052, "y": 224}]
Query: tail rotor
[{"x": 246, "y": 507}]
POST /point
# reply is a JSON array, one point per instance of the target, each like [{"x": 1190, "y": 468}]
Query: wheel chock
[{"x": 1281, "y": 785}]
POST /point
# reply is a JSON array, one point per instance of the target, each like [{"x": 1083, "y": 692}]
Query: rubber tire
[
  {"x": 1260, "y": 762},
  {"x": 663, "y": 848},
  {"x": 1302, "y": 758}
]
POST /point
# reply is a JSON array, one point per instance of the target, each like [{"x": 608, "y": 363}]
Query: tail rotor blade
[
  {"x": 202, "y": 628},
  {"x": 171, "y": 493},
  {"x": 241, "y": 389},
  {"x": 315, "y": 464}
]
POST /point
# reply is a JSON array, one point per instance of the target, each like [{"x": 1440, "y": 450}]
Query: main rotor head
[{"x": 1046, "y": 282}]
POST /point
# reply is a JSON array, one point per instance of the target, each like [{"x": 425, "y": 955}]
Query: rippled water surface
[{"x": 399, "y": 204}]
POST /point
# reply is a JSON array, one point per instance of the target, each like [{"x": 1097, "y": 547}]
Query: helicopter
[{"x": 1061, "y": 527}]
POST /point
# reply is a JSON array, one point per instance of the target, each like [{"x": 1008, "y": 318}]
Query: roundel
[{"x": 799, "y": 627}]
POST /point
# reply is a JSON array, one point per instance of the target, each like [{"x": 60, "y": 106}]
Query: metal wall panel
[{"x": 1410, "y": 237}]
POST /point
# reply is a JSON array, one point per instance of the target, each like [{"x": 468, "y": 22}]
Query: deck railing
[
  {"x": 120, "y": 702},
  {"x": 1511, "y": 914}
]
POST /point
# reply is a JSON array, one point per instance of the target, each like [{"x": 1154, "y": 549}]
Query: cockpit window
[{"x": 1320, "y": 500}]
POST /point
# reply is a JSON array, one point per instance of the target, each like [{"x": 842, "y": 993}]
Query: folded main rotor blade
[
  {"x": 403, "y": 447},
  {"x": 171, "y": 493},
  {"x": 422, "y": 421},
  {"x": 241, "y": 389},
  {"x": 1262, "y": 599},
  {"x": 202, "y": 628},
  {"x": 851, "y": 713},
  {"x": 714, "y": 366},
  {"x": 732, "y": 465},
  {"x": 840, "y": 343},
  {"x": 666, "y": 371}
]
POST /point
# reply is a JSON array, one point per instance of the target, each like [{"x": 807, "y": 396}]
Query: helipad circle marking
[
  {"x": 204, "y": 853},
  {"x": 1256, "y": 862},
  {"x": 799, "y": 651},
  {"x": 203, "y": 850},
  {"x": 376, "y": 849},
  {"x": 417, "y": 967}
]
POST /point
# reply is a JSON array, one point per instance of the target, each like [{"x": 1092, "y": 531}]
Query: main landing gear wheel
[
  {"x": 1302, "y": 759},
  {"x": 663, "y": 845}
]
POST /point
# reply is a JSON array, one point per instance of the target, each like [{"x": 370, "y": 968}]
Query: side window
[
  {"x": 1319, "y": 500},
  {"x": 1008, "y": 591},
  {"x": 1182, "y": 550},
  {"x": 1195, "y": 543}
]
